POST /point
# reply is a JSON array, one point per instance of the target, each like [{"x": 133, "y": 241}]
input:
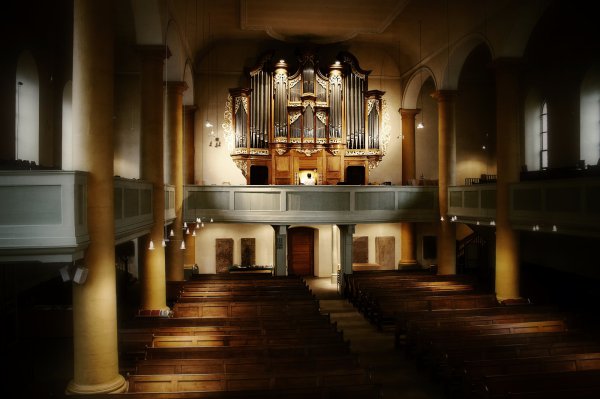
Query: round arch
[
  {"x": 457, "y": 57},
  {"x": 410, "y": 99}
]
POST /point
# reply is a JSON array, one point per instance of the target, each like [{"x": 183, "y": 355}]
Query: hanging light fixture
[
  {"x": 151, "y": 245},
  {"x": 420, "y": 125},
  {"x": 182, "y": 244}
]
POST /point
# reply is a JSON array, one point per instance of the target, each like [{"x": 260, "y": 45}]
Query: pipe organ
[{"x": 284, "y": 125}]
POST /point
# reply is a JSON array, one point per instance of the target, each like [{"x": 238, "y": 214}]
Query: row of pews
[
  {"x": 241, "y": 336},
  {"x": 474, "y": 345}
]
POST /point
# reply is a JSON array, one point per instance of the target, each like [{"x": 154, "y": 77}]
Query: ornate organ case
[{"x": 285, "y": 124}]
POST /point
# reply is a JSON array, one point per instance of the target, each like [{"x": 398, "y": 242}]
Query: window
[
  {"x": 27, "y": 101},
  {"x": 589, "y": 129},
  {"x": 544, "y": 136}
]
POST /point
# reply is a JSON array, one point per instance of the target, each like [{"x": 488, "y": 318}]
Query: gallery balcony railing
[
  {"x": 568, "y": 206},
  {"x": 311, "y": 204}
]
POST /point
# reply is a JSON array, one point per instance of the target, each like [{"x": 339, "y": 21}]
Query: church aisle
[{"x": 397, "y": 375}]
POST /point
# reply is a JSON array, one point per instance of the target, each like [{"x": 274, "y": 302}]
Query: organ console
[{"x": 283, "y": 124}]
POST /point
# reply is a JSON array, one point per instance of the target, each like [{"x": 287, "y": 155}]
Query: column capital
[
  {"x": 175, "y": 86},
  {"x": 157, "y": 51},
  {"x": 188, "y": 109},
  {"x": 444, "y": 95},
  {"x": 408, "y": 112}
]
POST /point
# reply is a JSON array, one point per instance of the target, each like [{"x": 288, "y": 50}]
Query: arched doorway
[{"x": 301, "y": 251}]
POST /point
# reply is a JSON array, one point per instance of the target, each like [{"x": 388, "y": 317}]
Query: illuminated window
[{"x": 544, "y": 136}]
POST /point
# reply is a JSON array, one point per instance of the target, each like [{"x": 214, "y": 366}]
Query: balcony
[
  {"x": 43, "y": 214},
  {"x": 568, "y": 206},
  {"x": 311, "y": 204}
]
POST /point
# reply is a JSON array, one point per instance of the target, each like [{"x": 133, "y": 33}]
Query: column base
[
  {"x": 118, "y": 385},
  {"x": 408, "y": 265},
  {"x": 513, "y": 301}
]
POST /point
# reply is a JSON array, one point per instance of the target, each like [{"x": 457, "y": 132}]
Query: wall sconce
[{"x": 76, "y": 273}]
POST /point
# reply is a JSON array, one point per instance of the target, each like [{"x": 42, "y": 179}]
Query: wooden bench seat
[
  {"x": 245, "y": 381},
  {"x": 405, "y": 319},
  {"x": 390, "y": 311},
  {"x": 418, "y": 328},
  {"x": 473, "y": 372},
  {"x": 245, "y": 365},
  {"x": 499, "y": 386},
  {"x": 242, "y": 340},
  {"x": 430, "y": 337},
  {"x": 348, "y": 391},
  {"x": 250, "y": 309},
  {"x": 272, "y": 351},
  {"x": 243, "y": 297},
  {"x": 448, "y": 361},
  {"x": 441, "y": 353}
]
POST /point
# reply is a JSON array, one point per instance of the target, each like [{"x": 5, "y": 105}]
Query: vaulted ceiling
[{"x": 410, "y": 29}]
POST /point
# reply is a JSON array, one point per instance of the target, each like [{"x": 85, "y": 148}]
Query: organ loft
[{"x": 297, "y": 118}]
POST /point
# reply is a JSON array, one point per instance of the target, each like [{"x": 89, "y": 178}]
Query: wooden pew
[
  {"x": 464, "y": 333},
  {"x": 348, "y": 391},
  {"x": 272, "y": 352},
  {"x": 245, "y": 381},
  {"x": 501, "y": 386},
  {"x": 448, "y": 362},
  {"x": 245, "y": 365},
  {"x": 249, "y": 309},
  {"x": 242, "y": 340},
  {"x": 474, "y": 372},
  {"x": 390, "y": 311}
]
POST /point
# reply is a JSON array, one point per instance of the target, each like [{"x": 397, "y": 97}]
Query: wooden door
[{"x": 301, "y": 250}]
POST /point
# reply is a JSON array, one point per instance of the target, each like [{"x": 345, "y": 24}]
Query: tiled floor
[{"x": 398, "y": 376}]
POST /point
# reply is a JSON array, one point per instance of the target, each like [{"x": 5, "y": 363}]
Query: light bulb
[
  {"x": 208, "y": 124},
  {"x": 151, "y": 245},
  {"x": 172, "y": 233},
  {"x": 420, "y": 125},
  {"x": 182, "y": 245},
  {"x": 194, "y": 233}
]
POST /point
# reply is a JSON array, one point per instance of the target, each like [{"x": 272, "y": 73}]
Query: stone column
[
  {"x": 174, "y": 125},
  {"x": 152, "y": 273},
  {"x": 508, "y": 113},
  {"x": 346, "y": 233},
  {"x": 280, "y": 250},
  {"x": 446, "y": 162},
  {"x": 96, "y": 357},
  {"x": 407, "y": 230}
]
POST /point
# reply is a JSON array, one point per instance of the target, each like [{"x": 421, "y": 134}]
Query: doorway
[
  {"x": 355, "y": 175},
  {"x": 301, "y": 251},
  {"x": 259, "y": 175}
]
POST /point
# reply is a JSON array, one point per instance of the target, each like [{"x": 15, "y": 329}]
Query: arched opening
[
  {"x": 27, "y": 109},
  {"x": 67, "y": 127},
  {"x": 589, "y": 129}
]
